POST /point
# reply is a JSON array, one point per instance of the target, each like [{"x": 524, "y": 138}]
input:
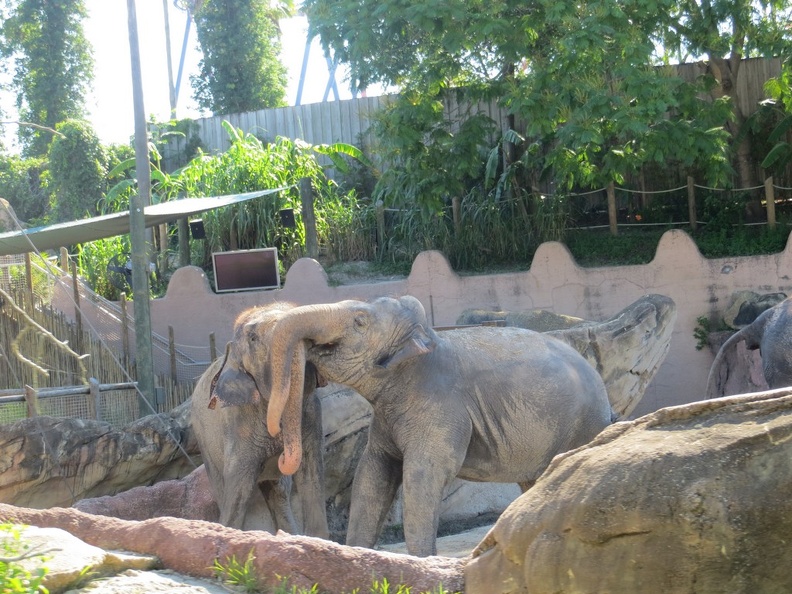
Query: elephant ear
[
  {"x": 418, "y": 343},
  {"x": 233, "y": 385}
]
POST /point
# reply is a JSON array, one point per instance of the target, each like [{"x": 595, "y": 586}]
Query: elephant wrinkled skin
[
  {"x": 229, "y": 411},
  {"x": 482, "y": 404}
]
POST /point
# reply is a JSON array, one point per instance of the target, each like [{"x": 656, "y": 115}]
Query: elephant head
[
  {"x": 245, "y": 377},
  {"x": 348, "y": 341}
]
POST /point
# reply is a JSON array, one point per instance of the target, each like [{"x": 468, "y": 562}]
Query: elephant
[
  {"x": 485, "y": 404},
  {"x": 771, "y": 333},
  {"x": 237, "y": 451}
]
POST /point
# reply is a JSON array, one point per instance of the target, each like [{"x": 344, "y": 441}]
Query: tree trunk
[{"x": 725, "y": 71}]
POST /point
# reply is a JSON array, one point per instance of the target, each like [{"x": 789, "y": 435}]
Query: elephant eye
[{"x": 361, "y": 321}]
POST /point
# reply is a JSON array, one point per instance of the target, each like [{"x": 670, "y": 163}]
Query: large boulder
[
  {"x": 52, "y": 461},
  {"x": 745, "y": 306},
  {"x": 693, "y": 498}
]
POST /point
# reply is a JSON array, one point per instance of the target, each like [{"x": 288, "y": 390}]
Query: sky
[{"x": 110, "y": 102}]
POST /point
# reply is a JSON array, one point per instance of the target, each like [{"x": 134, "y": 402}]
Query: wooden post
[
  {"x": 691, "y": 191},
  {"x": 124, "y": 325},
  {"x": 94, "y": 399},
  {"x": 770, "y": 201},
  {"x": 309, "y": 218},
  {"x": 29, "y": 275},
  {"x": 184, "y": 242},
  {"x": 611, "y": 191},
  {"x": 380, "y": 214},
  {"x": 212, "y": 347},
  {"x": 77, "y": 311},
  {"x": 172, "y": 351},
  {"x": 456, "y": 213},
  {"x": 31, "y": 398},
  {"x": 64, "y": 260}
]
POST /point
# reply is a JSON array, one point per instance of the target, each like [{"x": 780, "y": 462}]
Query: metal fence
[{"x": 42, "y": 351}]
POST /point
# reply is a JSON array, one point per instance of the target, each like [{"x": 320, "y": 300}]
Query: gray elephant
[
  {"x": 238, "y": 453},
  {"x": 771, "y": 333},
  {"x": 482, "y": 404}
]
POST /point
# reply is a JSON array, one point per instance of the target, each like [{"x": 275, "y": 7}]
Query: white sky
[{"x": 110, "y": 103}]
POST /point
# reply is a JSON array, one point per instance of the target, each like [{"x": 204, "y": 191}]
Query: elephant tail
[{"x": 719, "y": 373}]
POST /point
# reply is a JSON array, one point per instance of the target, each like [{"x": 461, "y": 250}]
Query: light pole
[{"x": 137, "y": 230}]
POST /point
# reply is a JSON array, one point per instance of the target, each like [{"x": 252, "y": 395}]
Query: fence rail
[{"x": 56, "y": 402}]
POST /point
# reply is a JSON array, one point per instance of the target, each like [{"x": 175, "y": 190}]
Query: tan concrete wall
[{"x": 554, "y": 282}]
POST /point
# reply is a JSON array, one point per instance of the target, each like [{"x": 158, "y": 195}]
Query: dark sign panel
[{"x": 246, "y": 270}]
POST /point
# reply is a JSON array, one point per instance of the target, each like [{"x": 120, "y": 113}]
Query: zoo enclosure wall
[{"x": 699, "y": 287}]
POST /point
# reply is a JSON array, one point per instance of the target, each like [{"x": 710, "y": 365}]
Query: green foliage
[
  {"x": 53, "y": 66},
  {"x": 14, "y": 578},
  {"x": 701, "y": 332},
  {"x": 22, "y": 183},
  {"x": 584, "y": 79},
  {"x": 431, "y": 159},
  {"x": 249, "y": 165},
  {"x": 78, "y": 171},
  {"x": 240, "y": 68},
  {"x": 92, "y": 261},
  {"x": 238, "y": 574},
  {"x": 779, "y": 154}
]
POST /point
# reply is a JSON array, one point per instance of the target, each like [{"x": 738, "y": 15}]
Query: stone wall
[{"x": 699, "y": 286}]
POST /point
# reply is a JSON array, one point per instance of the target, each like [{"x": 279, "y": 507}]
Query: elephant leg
[
  {"x": 309, "y": 480},
  {"x": 277, "y": 494},
  {"x": 239, "y": 479},
  {"x": 425, "y": 481},
  {"x": 374, "y": 487}
]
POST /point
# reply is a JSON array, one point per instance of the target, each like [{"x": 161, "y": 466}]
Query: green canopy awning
[{"x": 60, "y": 235}]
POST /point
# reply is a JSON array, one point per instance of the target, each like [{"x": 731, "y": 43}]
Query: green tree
[
  {"x": 78, "y": 171},
  {"x": 722, "y": 33},
  {"x": 240, "y": 68},
  {"x": 585, "y": 78},
  {"x": 22, "y": 184},
  {"x": 53, "y": 65}
]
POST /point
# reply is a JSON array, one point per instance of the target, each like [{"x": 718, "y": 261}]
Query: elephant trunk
[{"x": 287, "y": 364}]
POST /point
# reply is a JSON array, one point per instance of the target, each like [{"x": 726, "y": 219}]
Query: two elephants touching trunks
[{"x": 482, "y": 404}]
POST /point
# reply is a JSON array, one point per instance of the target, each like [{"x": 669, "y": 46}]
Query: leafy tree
[
  {"x": 78, "y": 171},
  {"x": 780, "y": 138},
  {"x": 240, "y": 69},
  {"x": 53, "y": 65},
  {"x": 723, "y": 32},
  {"x": 22, "y": 183},
  {"x": 583, "y": 78}
]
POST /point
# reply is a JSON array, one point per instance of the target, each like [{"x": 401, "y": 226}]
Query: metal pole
[
  {"x": 137, "y": 228},
  {"x": 171, "y": 87}
]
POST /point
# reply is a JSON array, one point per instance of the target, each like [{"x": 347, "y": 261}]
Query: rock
[
  {"x": 191, "y": 547},
  {"x": 627, "y": 349},
  {"x": 48, "y": 461},
  {"x": 189, "y": 498},
  {"x": 540, "y": 320},
  {"x": 745, "y": 307},
  {"x": 69, "y": 561},
  {"x": 741, "y": 371},
  {"x": 691, "y": 498}
]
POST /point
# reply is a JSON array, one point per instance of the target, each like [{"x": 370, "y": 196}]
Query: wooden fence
[{"x": 349, "y": 121}]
